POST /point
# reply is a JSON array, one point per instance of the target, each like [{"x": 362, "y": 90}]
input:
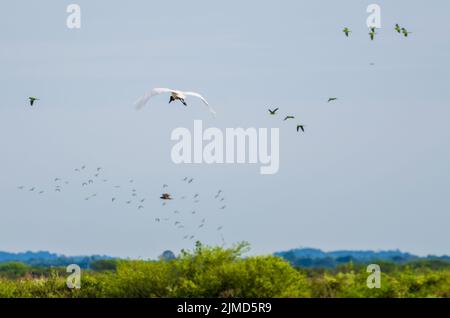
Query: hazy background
[{"x": 371, "y": 171}]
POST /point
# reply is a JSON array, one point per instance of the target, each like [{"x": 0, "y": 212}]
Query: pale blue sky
[{"x": 371, "y": 172}]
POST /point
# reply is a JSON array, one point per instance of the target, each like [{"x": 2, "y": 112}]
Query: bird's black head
[{"x": 171, "y": 99}]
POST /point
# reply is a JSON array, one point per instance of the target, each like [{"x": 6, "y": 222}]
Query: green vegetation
[{"x": 218, "y": 272}]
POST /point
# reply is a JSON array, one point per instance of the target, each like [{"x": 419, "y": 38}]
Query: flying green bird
[
  {"x": 397, "y": 28},
  {"x": 300, "y": 127},
  {"x": 332, "y": 99},
  {"x": 32, "y": 100},
  {"x": 288, "y": 117},
  {"x": 346, "y": 31},
  {"x": 405, "y": 32},
  {"x": 273, "y": 112}
]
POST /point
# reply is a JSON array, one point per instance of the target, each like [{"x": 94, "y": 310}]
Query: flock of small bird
[
  {"x": 299, "y": 127},
  {"x": 372, "y": 32},
  {"x": 186, "y": 207},
  {"x": 175, "y": 95}
]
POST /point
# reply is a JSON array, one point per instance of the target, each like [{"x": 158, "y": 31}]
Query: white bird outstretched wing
[
  {"x": 141, "y": 102},
  {"x": 202, "y": 98}
]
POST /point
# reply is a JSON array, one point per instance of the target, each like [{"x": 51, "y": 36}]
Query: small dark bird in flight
[
  {"x": 90, "y": 181},
  {"x": 32, "y": 100},
  {"x": 332, "y": 99},
  {"x": 273, "y": 112},
  {"x": 397, "y": 28},
  {"x": 84, "y": 184},
  {"x": 195, "y": 195},
  {"x": 57, "y": 179},
  {"x": 165, "y": 196},
  {"x": 99, "y": 168},
  {"x": 78, "y": 170},
  {"x": 128, "y": 202},
  {"x": 300, "y": 127},
  {"x": 142, "y": 200},
  {"x": 288, "y": 117},
  {"x": 405, "y": 32},
  {"x": 185, "y": 179},
  {"x": 113, "y": 199},
  {"x": 372, "y": 35},
  {"x": 96, "y": 175},
  {"x": 32, "y": 189},
  {"x": 219, "y": 228},
  {"x": 42, "y": 191},
  {"x": 157, "y": 219},
  {"x": 201, "y": 225},
  {"x": 222, "y": 208},
  {"x": 83, "y": 167},
  {"x": 346, "y": 31},
  {"x": 193, "y": 212},
  {"x": 222, "y": 199},
  {"x": 190, "y": 180},
  {"x": 140, "y": 207}
]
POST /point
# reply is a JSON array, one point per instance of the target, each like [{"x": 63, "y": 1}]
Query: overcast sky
[{"x": 370, "y": 172}]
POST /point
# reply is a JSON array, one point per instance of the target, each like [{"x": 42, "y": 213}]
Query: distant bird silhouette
[
  {"x": 397, "y": 28},
  {"x": 332, "y": 99},
  {"x": 346, "y": 31},
  {"x": 405, "y": 32},
  {"x": 288, "y": 117},
  {"x": 84, "y": 184},
  {"x": 300, "y": 127},
  {"x": 372, "y": 35},
  {"x": 140, "y": 207},
  {"x": 128, "y": 202},
  {"x": 57, "y": 179},
  {"x": 190, "y": 180},
  {"x": 165, "y": 196},
  {"x": 273, "y": 112},
  {"x": 32, "y": 189},
  {"x": 32, "y": 100},
  {"x": 113, "y": 199},
  {"x": 223, "y": 207}
]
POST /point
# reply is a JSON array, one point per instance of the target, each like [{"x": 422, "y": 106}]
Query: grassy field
[{"x": 218, "y": 272}]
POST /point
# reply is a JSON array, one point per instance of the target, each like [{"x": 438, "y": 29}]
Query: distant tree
[{"x": 167, "y": 256}]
